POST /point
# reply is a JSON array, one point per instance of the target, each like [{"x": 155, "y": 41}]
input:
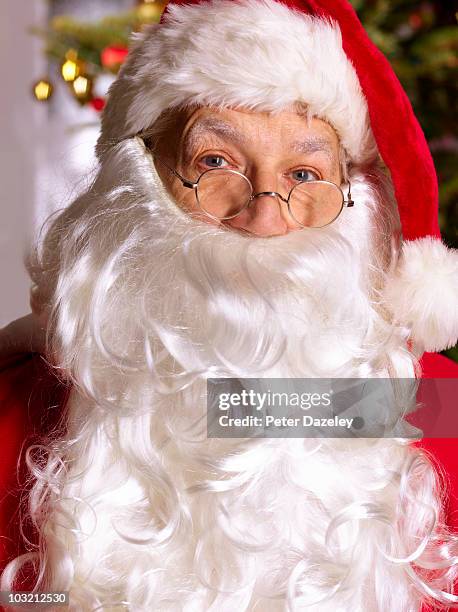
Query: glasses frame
[{"x": 347, "y": 202}]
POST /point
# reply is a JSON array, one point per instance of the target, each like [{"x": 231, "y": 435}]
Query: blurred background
[{"x": 60, "y": 56}]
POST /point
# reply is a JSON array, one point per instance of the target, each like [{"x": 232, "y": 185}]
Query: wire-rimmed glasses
[{"x": 223, "y": 194}]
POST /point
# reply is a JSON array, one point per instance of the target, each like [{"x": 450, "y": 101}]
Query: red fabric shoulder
[
  {"x": 444, "y": 451},
  {"x": 31, "y": 401},
  {"x": 437, "y": 366}
]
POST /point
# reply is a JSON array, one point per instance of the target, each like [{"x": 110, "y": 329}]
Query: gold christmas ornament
[
  {"x": 42, "y": 90},
  {"x": 72, "y": 66},
  {"x": 150, "y": 10},
  {"x": 70, "y": 70},
  {"x": 82, "y": 89}
]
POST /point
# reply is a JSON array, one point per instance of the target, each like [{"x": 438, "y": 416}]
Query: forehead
[{"x": 245, "y": 125}]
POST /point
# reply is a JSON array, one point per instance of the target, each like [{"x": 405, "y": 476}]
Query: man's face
[{"x": 274, "y": 151}]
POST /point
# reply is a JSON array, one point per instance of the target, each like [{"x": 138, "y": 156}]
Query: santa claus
[{"x": 265, "y": 207}]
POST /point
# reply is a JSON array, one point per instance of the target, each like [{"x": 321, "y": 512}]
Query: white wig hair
[{"x": 135, "y": 507}]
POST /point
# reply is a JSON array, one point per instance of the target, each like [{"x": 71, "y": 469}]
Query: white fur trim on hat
[
  {"x": 423, "y": 293},
  {"x": 258, "y": 54}
]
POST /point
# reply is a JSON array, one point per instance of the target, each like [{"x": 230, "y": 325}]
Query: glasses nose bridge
[{"x": 273, "y": 194}]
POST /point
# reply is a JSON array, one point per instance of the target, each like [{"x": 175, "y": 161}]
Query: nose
[{"x": 266, "y": 215}]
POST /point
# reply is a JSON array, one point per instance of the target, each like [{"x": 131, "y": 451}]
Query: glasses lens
[
  {"x": 223, "y": 193},
  {"x": 315, "y": 204}
]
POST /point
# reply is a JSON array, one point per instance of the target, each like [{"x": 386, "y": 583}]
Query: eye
[
  {"x": 213, "y": 161},
  {"x": 305, "y": 174}
]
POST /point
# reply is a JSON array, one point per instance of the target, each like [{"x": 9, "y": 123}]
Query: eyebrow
[
  {"x": 314, "y": 144},
  {"x": 212, "y": 125}
]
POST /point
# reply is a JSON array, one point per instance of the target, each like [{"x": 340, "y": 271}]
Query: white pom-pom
[{"x": 423, "y": 293}]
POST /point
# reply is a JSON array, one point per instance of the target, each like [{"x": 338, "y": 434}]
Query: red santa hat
[{"x": 267, "y": 54}]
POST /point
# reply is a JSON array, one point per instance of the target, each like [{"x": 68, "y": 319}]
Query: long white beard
[{"x": 136, "y": 506}]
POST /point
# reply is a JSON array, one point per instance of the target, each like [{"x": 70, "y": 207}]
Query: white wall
[
  {"x": 19, "y": 149},
  {"x": 46, "y": 150}
]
